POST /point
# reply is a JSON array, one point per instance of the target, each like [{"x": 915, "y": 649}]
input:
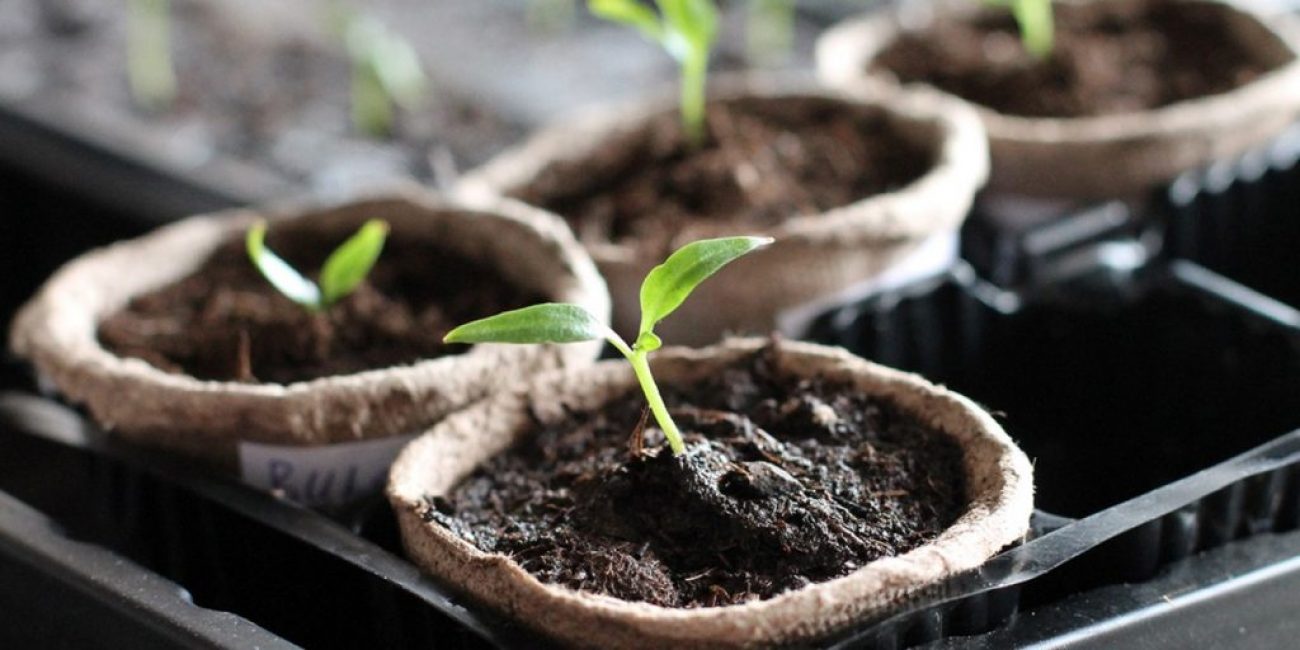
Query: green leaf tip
[
  {"x": 1035, "y": 22},
  {"x": 631, "y": 13},
  {"x": 352, "y": 261},
  {"x": 283, "y": 277},
  {"x": 343, "y": 271},
  {"x": 545, "y": 323},
  {"x": 667, "y": 286}
]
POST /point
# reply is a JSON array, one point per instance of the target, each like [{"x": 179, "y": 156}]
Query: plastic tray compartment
[
  {"x": 294, "y": 573},
  {"x": 270, "y": 563},
  {"x": 1113, "y": 389},
  {"x": 1241, "y": 218},
  {"x": 1156, "y": 407}
]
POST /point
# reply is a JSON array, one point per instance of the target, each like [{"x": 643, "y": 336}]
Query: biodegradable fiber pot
[
  {"x": 1106, "y": 155},
  {"x": 999, "y": 497},
  {"x": 349, "y": 426},
  {"x": 817, "y": 256}
]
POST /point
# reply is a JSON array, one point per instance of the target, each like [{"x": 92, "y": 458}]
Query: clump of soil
[
  {"x": 1108, "y": 58},
  {"x": 765, "y": 160},
  {"x": 786, "y": 482},
  {"x": 226, "y": 322}
]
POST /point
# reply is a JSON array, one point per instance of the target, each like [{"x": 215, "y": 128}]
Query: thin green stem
[
  {"x": 149, "y": 62},
  {"x": 371, "y": 112},
  {"x": 641, "y": 367},
  {"x": 694, "y": 73}
]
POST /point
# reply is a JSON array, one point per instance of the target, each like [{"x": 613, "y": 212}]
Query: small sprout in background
[
  {"x": 1034, "y": 17},
  {"x": 386, "y": 71},
  {"x": 663, "y": 291},
  {"x": 342, "y": 272},
  {"x": 686, "y": 29},
  {"x": 149, "y": 70},
  {"x": 769, "y": 31},
  {"x": 551, "y": 16}
]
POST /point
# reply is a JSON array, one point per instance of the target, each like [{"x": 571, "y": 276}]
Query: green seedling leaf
[
  {"x": 397, "y": 66},
  {"x": 1036, "y": 29},
  {"x": 278, "y": 272},
  {"x": 151, "y": 75},
  {"x": 664, "y": 289},
  {"x": 546, "y": 323},
  {"x": 386, "y": 70},
  {"x": 631, "y": 13},
  {"x": 1034, "y": 18},
  {"x": 694, "y": 23},
  {"x": 343, "y": 270},
  {"x": 351, "y": 262},
  {"x": 668, "y": 284},
  {"x": 686, "y": 29},
  {"x": 769, "y": 31}
]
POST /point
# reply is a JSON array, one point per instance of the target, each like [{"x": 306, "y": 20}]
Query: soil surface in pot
[
  {"x": 786, "y": 482},
  {"x": 765, "y": 160},
  {"x": 1109, "y": 58},
  {"x": 226, "y": 322}
]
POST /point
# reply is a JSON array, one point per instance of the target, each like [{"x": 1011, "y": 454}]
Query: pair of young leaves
[
  {"x": 664, "y": 289},
  {"x": 342, "y": 272}
]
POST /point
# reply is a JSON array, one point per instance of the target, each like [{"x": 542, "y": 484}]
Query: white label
[
  {"x": 326, "y": 475},
  {"x": 935, "y": 255}
]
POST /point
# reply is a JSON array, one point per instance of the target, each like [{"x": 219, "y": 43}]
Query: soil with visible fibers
[
  {"x": 764, "y": 161},
  {"x": 787, "y": 481},
  {"x": 226, "y": 322},
  {"x": 1108, "y": 58}
]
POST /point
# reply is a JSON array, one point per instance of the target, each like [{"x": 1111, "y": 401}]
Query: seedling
[
  {"x": 662, "y": 292},
  {"x": 769, "y": 31},
  {"x": 686, "y": 29},
  {"x": 1034, "y": 18},
  {"x": 149, "y": 70},
  {"x": 342, "y": 272},
  {"x": 386, "y": 71}
]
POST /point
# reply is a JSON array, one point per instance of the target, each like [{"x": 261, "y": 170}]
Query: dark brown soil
[
  {"x": 786, "y": 482},
  {"x": 225, "y": 322},
  {"x": 765, "y": 161},
  {"x": 1109, "y": 57}
]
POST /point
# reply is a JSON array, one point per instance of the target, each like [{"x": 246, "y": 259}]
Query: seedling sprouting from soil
[
  {"x": 686, "y": 29},
  {"x": 769, "y": 31},
  {"x": 663, "y": 291},
  {"x": 386, "y": 71},
  {"x": 343, "y": 270},
  {"x": 1034, "y": 18},
  {"x": 149, "y": 70}
]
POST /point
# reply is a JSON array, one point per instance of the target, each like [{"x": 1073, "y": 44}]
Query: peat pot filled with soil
[
  {"x": 176, "y": 340},
  {"x": 1131, "y": 94},
  {"x": 847, "y": 188},
  {"x": 815, "y": 489}
]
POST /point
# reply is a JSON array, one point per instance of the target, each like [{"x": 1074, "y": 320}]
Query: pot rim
[
  {"x": 959, "y": 169},
  {"x": 844, "y": 51},
  {"x": 72, "y": 355}
]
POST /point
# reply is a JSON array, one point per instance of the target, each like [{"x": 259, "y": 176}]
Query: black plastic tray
[
  {"x": 268, "y": 561},
  {"x": 1118, "y": 383},
  {"x": 1241, "y": 218}
]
